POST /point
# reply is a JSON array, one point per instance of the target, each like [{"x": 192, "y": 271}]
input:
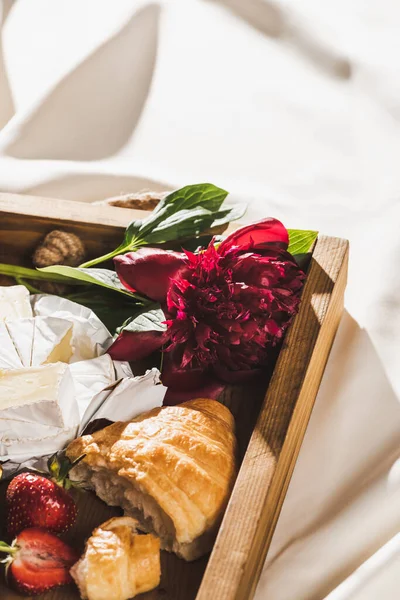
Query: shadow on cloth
[
  {"x": 94, "y": 110},
  {"x": 339, "y": 485},
  {"x": 7, "y": 108},
  {"x": 272, "y": 20}
]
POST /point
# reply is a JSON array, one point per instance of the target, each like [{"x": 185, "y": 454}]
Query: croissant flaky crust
[
  {"x": 118, "y": 563},
  {"x": 172, "y": 468}
]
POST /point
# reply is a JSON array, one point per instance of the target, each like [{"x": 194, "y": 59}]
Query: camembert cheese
[
  {"x": 35, "y": 341},
  {"x": 52, "y": 341},
  {"x": 14, "y": 302},
  {"x": 91, "y": 377},
  {"x": 44, "y": 394},
  {"x": 9, "y": 357}
]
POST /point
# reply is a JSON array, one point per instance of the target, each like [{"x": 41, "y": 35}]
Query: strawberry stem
[
  {"x": 1, "y": 467},
  {"x": 7, "y": 548},
  {"x": 59, "y": 468}
]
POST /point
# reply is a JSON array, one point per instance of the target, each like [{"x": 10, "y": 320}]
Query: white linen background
[{"x": 294, "y": 106}]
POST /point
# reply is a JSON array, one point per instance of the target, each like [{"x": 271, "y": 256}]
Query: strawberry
[
  {"x": 38, "y": 561},
  {"x": 37, "y": 501}
]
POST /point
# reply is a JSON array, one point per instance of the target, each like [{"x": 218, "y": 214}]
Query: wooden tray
[{"x": 270, "y": 423}]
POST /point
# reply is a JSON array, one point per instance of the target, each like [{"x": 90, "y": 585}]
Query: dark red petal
[
  {"x": 148, "y": 271},
  {"x": 187, "y": 384},
  {"x": 135, "y": 346},
  {"x": 268, "y": 269},
  {"x": 256, "y": 236},
  {"x": 178, "y": 378}
]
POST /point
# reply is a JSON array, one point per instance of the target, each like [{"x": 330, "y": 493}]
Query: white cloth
[{"x": 294, "y": 106}]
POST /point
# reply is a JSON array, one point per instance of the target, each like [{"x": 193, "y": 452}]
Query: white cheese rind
[
  {"x": 22, "y": 450},
  {"x": 43, "y": 394},
  {"x": 90, "y": 337},
  {"x": 91, "y": 377},
  {"x": 22, "y": 333},
  {"x": 37, "y": 341},
  {"x": 14, "y": 302},
  {"x": 128, "y": 398},
  {"x": 9, "y": 357}
]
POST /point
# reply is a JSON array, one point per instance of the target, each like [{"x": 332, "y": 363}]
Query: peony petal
[
  {"x": 174, "y": 376},
  {"x": 188, "y": 384},
  {"x": 267, "y": 268},
  {"x": 135, "y": 346},
  {"x": 257, "y": 236},
  {"x": 149, "y": 270}
]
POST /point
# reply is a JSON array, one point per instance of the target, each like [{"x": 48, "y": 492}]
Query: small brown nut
[
  {"x": 139, "y": 200},
  {"x": 59, "y": 248}
]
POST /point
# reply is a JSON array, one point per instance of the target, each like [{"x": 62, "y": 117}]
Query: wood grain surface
[
  {"x": 25, "y": 220},
  {"x": 270, "y": 425},
  {"x": 245, "y": 535}
]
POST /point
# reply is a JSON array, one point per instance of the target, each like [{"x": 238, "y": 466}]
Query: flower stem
[
  {"x": 161, "y": 360},
  {"x": 132, "y": 246},
  {"x": 100, "y": 259}
]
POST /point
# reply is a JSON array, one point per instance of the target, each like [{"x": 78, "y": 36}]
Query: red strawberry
[
  {"x": 37, "y": 501},
  {"x": 38, "y": 561}
]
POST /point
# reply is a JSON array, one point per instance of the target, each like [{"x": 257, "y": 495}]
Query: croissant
[
  {"x": 172, "y": 469},
  {"x": 118, "y": 563}
]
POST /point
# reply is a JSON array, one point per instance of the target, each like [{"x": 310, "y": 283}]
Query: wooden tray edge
[
  {"x": 68, "y": 212},
  {"x": 239, "y": 552}
]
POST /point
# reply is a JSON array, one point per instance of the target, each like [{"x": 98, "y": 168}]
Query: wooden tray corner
[{"x": 271, "y": 423}]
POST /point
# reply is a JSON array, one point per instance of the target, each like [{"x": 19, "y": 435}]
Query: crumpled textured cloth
[{"x": 294, "y": 106}]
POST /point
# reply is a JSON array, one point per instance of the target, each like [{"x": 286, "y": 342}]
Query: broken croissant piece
[
  {"x": 172, "y": 469},
  {"x": 118, "y": 563}
]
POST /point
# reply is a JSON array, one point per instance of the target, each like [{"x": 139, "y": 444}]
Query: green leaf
[
  {"x": 230, "y": 213},
  {"x": 112, "y": 309},
  {"x": 147, "y": 320},
  {"x": 192, "y": 223},
  {"x": 25, "y": 273},
  {"x": 301, "y": 241},
  {"x": 187, "y": 212},
  {"x": 190, "y": 196},
  {"x": 192, "y": 206},
  {"x": 102, "y": 277}
]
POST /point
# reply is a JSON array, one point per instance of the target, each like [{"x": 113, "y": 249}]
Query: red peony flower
[{"x": 227, "y": 307}]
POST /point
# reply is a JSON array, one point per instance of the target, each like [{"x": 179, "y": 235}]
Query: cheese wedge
[
  {"x": 21, "y": 334},
  {"x": 9, "y": 357},
  {"x": 42, "y": 394},
  {"x": 40, "y": 340},
  {"x": 20, "y": 450},
  {"x": 14, "y": 302},
  {"x": 52, "y": 341}
]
